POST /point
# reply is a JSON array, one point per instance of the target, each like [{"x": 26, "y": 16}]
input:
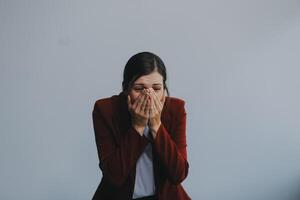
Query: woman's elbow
[{"x": 180, "y": 176}]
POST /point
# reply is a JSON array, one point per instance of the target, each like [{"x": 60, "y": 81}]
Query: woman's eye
[{"x": 140, "y": 89}]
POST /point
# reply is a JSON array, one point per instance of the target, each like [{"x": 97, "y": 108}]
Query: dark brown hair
[{"x": 141, "y": 64}]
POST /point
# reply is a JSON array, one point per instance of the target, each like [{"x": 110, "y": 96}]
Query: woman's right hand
[{"x": 139, "y": 111}]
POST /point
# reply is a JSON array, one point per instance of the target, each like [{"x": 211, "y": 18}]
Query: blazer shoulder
[
  {"x": 174, "y": 105},
  {"x": 105, "y": 104},
  {"x": 175, "y": 101}
]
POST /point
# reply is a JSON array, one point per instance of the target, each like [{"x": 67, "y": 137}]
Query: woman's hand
[
  {"x": 156, "y": 107},
  {"x": 140, "y": 111}
]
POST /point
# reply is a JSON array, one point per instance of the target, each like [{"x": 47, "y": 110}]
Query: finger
[
  {"x": 129, "y": 102},
  {"x": 152, "y": 108},
  {"x": 135, "y": 104},
  {"x": 140, "y": 103},
  {"x": 143, "y": 104},
  {"x": 155, "y": 110},
  {"x": 161, "y": 101},
  {"x": 154, "y": 94},
  {"x": 157, "y": 102},
  {"x": 164, "y": 99},
  {"x": 147, "y": 106}
]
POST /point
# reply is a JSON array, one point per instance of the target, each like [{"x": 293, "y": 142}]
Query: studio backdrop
[{"x": 235, "y": 63}]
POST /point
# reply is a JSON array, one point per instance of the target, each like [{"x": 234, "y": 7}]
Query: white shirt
[{"x": 144, "y": 178}]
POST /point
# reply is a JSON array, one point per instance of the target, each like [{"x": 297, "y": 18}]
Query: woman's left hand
[{"x": 156, "y": 107}]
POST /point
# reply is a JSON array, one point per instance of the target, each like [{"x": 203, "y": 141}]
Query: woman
[{"x": 140, "y": 136}]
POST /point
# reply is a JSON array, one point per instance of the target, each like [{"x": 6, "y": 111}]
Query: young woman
[{"x": 140, "y": 136}]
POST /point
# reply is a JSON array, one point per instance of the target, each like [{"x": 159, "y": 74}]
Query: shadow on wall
[{"x": 297, "y": 194}]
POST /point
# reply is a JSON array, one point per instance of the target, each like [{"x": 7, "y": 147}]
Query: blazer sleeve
[
  {"x": 116, "y": 159},
  {"x": 172, "y": 151}
]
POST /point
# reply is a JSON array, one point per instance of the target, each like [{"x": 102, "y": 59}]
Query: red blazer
[{"x": 119, "y": 146}]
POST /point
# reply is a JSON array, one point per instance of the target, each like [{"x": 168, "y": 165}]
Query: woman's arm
[
  {"x": 172, "y": 153},
  {"x": 116, "y": 160}
]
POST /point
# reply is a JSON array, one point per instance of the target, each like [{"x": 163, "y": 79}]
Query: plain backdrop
[{"x": 235, "y": 63}]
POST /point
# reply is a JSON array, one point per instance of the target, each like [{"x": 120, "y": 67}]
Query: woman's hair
[{"x": 141, "y": 64}]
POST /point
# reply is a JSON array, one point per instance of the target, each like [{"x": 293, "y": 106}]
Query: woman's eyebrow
[
  {"x": 139, "y": 84},
  {"x": 143, "y": 84}
]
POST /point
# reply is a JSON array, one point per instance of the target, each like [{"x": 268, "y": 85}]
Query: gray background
[{"x": 236, "y": 63}]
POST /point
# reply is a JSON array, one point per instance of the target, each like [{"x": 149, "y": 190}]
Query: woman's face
[{"x": 153, "y": 80}]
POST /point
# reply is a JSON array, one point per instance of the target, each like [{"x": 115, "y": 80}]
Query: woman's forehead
[{"x": 150, "y": 79}]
